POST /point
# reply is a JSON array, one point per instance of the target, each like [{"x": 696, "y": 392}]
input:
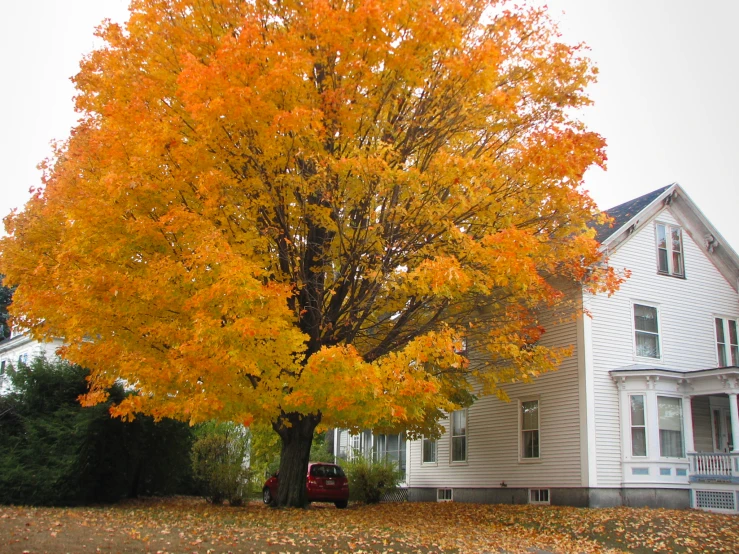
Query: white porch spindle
[{"x": 734, "y": 420}]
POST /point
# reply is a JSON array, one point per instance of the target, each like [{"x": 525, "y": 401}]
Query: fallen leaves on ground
[{"x": 175, "y": 525}]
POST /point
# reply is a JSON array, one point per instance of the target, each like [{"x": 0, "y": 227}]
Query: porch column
[
  {"x": 688, "y": 419},
  {"x": 734, "y": 421}
]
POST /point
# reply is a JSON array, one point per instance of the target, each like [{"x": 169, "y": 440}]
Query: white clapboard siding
[
  {"x": 493, "y": 434},
  {"x": 687, "y": 308}
]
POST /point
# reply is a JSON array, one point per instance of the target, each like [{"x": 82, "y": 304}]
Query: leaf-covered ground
[{"x": 190, "y": 525}]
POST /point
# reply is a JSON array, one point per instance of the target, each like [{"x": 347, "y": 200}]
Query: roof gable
[{"x": 635, "y": 214}]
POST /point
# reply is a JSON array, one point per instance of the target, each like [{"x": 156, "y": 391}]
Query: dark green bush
[
  {"x": 370, "y": 480},
  {"x": 55, "y": 452}
]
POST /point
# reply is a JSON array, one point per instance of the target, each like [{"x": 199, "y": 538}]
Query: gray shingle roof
[{"x": 623, "y": 213}]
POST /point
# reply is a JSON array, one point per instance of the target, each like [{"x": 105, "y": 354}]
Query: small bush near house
[
  {"x": 370, "y": 480},
  {"x": 219, "y": 459}
]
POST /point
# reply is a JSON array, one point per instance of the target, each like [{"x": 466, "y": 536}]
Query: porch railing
[{"x": 714, "y": 466}]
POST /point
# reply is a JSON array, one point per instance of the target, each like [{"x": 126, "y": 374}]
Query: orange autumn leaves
[{"x": 305, "y": 207}]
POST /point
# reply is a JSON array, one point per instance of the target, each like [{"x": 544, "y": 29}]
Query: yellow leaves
[
  {"x": 280, "y": 206},
  {"x": 183, "y": 524},
  {"x": 442, "y": 276}
]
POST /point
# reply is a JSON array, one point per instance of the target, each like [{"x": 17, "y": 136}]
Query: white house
[
  {"x": 20, "y": 347},
  {"x": 645, "y": 411}
]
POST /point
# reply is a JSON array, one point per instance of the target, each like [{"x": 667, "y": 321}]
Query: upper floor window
[
  {"x": 459, "y": 436},
  {"x": 530, "y": 429},
  {"x": 670, "y": 250},
  {"x": 646, "y": 331},
  {"x": 727, "y": 345}
]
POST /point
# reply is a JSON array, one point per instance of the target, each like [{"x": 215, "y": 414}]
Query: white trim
[{"x": 589, "y": 449}]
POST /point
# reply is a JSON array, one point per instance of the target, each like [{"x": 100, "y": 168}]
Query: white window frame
[
  {"x": 435, "y": 442},
  {"x": 533, "y": 493},
  {"x": 726, "y": 346},
  {"x": 521, "y": 442},
  {"x": 632, "y": 426},
  {"x": 445, "y": 495},
  {"x": 682, "y": 428},
  {"x": 452, "y": 436},
  {"x": 669, "y": 227},
  {"x": 634, "y": 330}
]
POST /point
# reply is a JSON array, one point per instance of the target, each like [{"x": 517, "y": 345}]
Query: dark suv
[{"x": 325, "y": 483}]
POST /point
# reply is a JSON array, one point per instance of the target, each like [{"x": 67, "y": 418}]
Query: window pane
[
  {"x": 670, "y": 426},
  {"x": 429, "y": 451},
  {"x": 734, "y": 345},
  {"x": 459, "y": 423},
  {"x": 721, "y": 343},
  {"x": 637, "y": 410},
  {"x": 662, "y": 249},
  {"x": 645, "y": 318},
  {"x": 663, "y": 261},
  {"x": 647, "y": 345},
  {"x": 530, "y": 415},
  {"x": 661, "y": 237},
  {"x": 459, "y": 449},
  {"x": 677, "y": 240},
  {"x": 530, "y": 444},
  {"x": 638, "y": 441}
]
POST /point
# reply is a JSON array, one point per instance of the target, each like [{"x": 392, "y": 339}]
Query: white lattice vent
[{"x": 715, "y": 500}]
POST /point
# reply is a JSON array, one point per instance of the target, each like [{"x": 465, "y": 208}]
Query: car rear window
[{"x": 326, "y": 471}]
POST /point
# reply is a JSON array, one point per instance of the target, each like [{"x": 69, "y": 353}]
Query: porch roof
[{"x": 717, "y": 380}]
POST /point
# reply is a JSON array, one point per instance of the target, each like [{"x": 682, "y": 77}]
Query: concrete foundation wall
[{"x": 579, "y": 497}]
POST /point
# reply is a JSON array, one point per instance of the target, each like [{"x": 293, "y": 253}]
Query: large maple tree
[{"x": 298, "y": 211}]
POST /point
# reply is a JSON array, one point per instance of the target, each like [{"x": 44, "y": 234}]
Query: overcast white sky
[{"x": 666, "y": 100}]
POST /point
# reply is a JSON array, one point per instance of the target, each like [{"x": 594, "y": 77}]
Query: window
[
  {"x": 638, "y": 426},
  {"x": 391, "y": 448},
  {"x": 355, "y": 446},
  {"x": 2, "y": 367},
  {"x": 646, "y": 331},
  {"x": 429, "y": 451},
  {"x": 23, "y": 358},
  {"x": 670, "y": 250},
  {"x": 727, "y": 345},
  {"x": 530, "y": 429},
  {"x": 670, "y": 412},
  {"x": 538, "y": 496},
  {"x": 459, "y": 436},
  {"x": 444, "y": 495}
]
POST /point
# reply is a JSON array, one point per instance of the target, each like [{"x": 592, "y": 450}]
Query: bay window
[
  {"x": 638, "y": 426},
  {"x": 670, "y": 412}
]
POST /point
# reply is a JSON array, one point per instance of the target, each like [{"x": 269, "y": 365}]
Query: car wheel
[
  {"x": 341, "y": 504},
  {"x": 267, "y": 497}
]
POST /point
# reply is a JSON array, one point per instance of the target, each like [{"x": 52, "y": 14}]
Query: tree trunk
[{"x": 296, "y": 432}]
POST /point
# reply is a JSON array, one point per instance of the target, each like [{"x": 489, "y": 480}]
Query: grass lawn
[{"x": 191, "y": 525}]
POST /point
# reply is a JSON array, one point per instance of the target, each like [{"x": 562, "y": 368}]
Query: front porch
[{"x": 681, "y": 430}]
